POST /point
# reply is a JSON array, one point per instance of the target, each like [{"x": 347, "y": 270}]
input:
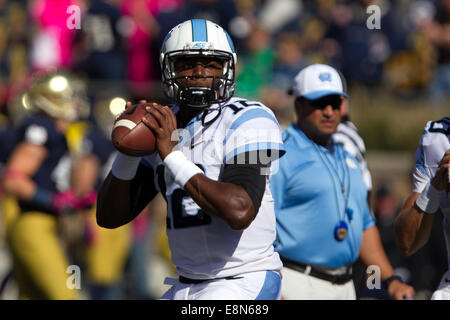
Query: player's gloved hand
[
  {"x": 441, "y": 180},
  {"x": 66, "y": 201}
]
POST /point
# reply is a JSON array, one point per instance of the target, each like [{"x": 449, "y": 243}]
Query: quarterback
[{"x": 214, "y": 158}]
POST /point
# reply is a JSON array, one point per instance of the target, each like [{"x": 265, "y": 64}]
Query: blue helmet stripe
[
  {"x": 230, "y": 42},
  {"x": 199, "y": 32}
]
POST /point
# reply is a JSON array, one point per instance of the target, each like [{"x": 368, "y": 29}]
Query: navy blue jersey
[
  {"x": 7, "y": 143},
  {"x": 54, "y": 172}
]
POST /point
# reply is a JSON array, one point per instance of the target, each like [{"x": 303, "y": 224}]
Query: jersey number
[
  {"x": 178, "y": 199},
  {"x": 241, "y": 104}
]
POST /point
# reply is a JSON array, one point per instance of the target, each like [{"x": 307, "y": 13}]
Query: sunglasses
[{"x": 333, "y": 100}]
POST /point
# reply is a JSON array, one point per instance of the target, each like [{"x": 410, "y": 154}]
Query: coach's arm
[{"x": 371, "y": 252}]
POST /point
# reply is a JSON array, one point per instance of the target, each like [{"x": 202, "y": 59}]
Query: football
[{"x": 130, "y": 135}]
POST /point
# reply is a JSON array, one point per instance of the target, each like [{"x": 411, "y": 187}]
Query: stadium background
[{"x": 398, "y": 78}]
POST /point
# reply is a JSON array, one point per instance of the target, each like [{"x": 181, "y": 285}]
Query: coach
[{"x": 323, "y": 220}]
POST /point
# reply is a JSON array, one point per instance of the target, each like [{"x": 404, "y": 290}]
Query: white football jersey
[
  {"x": 202, "y": 245},
  {"x": 434, "y": 142}
]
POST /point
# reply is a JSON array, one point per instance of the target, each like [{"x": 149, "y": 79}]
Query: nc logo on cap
[{"x": 325, "y": 76}]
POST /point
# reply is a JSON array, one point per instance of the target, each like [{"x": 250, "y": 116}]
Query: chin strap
[{"x": 199, "y": 97}]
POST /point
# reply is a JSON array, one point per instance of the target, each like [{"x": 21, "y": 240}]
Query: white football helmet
[{"x": 198, "y": 37}]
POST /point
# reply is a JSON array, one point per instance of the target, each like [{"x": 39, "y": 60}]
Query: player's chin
[{"x": 328, "y": 128}]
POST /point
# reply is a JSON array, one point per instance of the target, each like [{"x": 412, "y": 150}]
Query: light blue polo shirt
[{"x": 309, "y": 203}]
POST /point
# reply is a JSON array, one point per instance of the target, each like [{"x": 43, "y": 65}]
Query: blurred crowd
[
  {"x": 112, "y": 48},
  {"x": 401, "y": 46}
]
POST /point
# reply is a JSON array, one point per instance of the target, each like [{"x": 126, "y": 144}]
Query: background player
[
  {"x": 104, "y": 251},
  {"x": 37, "y": 175},
  {"x": 430, "y": 194},
  {"x": 220, "y": 221}
]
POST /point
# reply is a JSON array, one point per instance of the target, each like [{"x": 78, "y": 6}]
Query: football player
[
  {"x": 36, "y": 174},
  {"x": 430, "y": 194},
  {"x": 105, "y": 250},
  {"x": 214, "y": 177}
]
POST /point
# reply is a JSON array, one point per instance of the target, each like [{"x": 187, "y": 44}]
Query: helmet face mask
[{"x": 181, "y": 43}]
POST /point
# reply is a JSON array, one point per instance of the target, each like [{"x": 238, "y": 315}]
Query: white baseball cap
[{"x": 317, "y": 81}]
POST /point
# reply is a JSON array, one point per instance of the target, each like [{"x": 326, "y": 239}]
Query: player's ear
[
  {"x": 301, "y": 107},
  {"x": 344, "y": 105}
]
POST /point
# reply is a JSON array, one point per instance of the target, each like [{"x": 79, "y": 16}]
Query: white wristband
[
  {"x": 125, "y": 167},
  {"x": 181, "y": 167},
  {"x": 429, "y": 200}
]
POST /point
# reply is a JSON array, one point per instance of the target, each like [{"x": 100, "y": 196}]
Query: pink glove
[
  {"x": 89, "y": 200},
  {"x": 66, "y": 201}
]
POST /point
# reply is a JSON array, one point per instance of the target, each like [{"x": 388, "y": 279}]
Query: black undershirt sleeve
[
  {"x": 143, "y": 189},
  {"x": 245, "y": 170},
  {"x": 248, "y": 174}
]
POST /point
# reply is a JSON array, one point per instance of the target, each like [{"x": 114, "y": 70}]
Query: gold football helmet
[{"x": 57, "y": 94}]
